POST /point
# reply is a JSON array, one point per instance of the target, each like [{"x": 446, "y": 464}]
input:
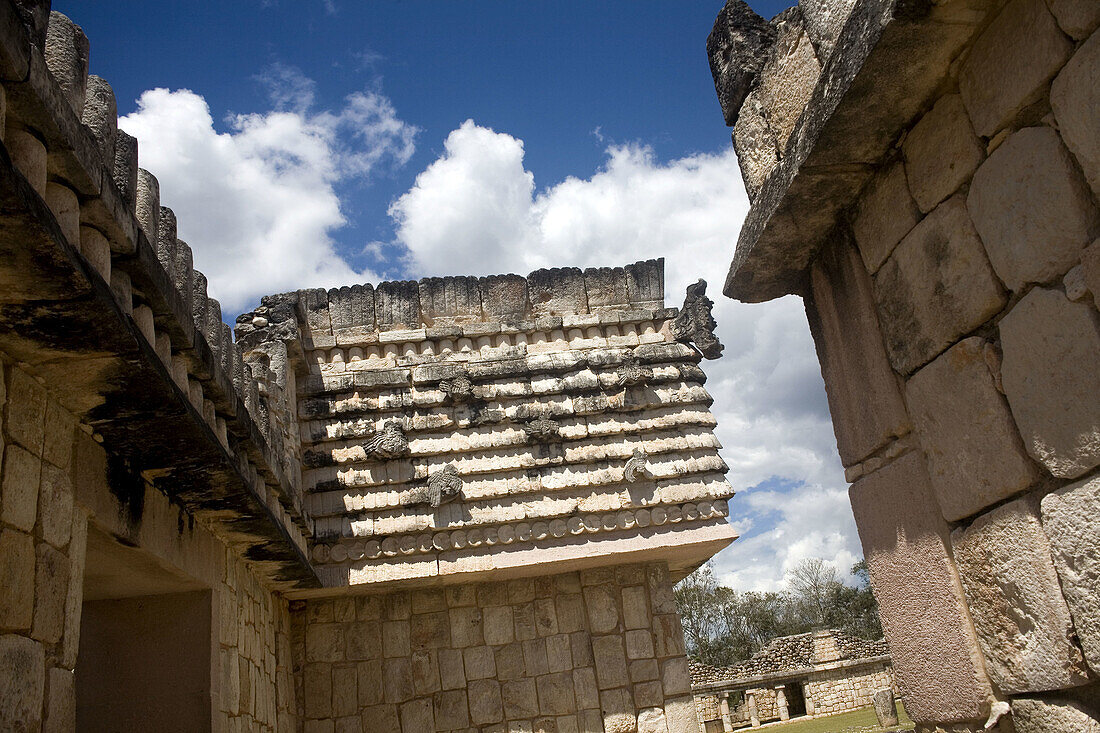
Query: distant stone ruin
[
  {"x": 813, "y": 674},
  {"x": 452, "y": 504},
  {"x": 925, "y": 175}
]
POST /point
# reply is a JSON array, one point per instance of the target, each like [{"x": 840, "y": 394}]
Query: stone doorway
[
  {"x": 144, "y": 660},
  {"x": 796, "y": 699}
]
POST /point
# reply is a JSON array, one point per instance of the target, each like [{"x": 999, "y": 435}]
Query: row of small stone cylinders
[{"x": 65, "y": 49}]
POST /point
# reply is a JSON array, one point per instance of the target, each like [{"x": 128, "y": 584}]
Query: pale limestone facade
[
  {"x": 937, "y": 208},
  {"x": 819, "y": 674},
  {"x": 451, "y": 504}
]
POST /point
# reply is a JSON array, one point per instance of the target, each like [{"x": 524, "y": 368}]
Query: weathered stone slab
[
  {"x": 924, "y": 617},
  {"x": 1011, "y": 63},
  {"x": 1031, "y": 715},
  {"x": 863, "y": 392},
  {"x": 504, "y": 297},
  {"x": 1078, "y": 18},
  {"x": 941, "y": 152},
  {"x": 824, "y": 20},
  {"x": 17, "y": 579},
  {"x": 975, "y": 454},
  {"x": 1022, "y": 621},
  {"x": 935, "y": 287},
  {"x": 1050, "y": 348},
  {"x": 397, "y": 305},
  {"x": 1070, "y": 521},
  {"x": 557, "y": 291},
  {"x": 886, "y": 212},
  {"x": 755, "y": 145},
  {"x": 1075, "y": 99},
  {"x": 789, "y": 76},
  {"x": 22, "y": 683},
  {"x": 1032, "y": 209},
  {"x": 450, "y": 300}
]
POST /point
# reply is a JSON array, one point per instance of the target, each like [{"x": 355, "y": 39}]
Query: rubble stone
[
  {"x": 1049, "y": 344},
  {"x": 1032, "y": 715},
  {"x": 1076, "y": 102}
]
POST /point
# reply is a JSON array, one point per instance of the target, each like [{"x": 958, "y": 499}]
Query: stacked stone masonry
[
  {"x": 452, "y": 504},
  {"x": 950, "y": 280},
  {"x": 820, "y": 674}
]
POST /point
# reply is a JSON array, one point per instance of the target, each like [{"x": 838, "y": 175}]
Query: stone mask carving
[
  {"x": 541, "y": 430},
  {"x": 445, "y": 485},
  {"x": 635, "y": 467},
  {"x": 389, "y": 442},
  {"x": 631, "y": 372},
  {"x": 695, "y": 324},
  {"x": 459, "y": 388}
]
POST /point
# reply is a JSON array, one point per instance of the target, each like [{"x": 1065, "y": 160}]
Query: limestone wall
[
  {"x": 954, "y": 309},
  {"x": 838, "y": 690},
  {"x": 56, "y": 487},
  {"x": 599, "y": 650}
]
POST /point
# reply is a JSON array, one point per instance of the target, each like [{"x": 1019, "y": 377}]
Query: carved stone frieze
[
  {"x": 695, "y": 324},
  {"x": 442, "y": 487},
  {"x": 631, "y": 372},
  {"x": 542, "y": 430},
  {"x": 459, "y": 388},
  {"x": 389, "y": 442}
]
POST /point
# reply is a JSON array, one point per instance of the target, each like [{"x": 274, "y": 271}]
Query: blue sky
[{"x": 324, "y": 142}]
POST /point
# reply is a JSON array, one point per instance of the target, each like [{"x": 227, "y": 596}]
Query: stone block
[
  {"x": 935, "y": 287},
  {"x": 17, "y": 579},
  {"x": 863, "y": 391},
  {"x": 369, "y": 683},
  {"x": 381, "y": 717},
  {"x": 452, "y": 669},
  {"x": 1011, "y": 63},
  {"x": 466, "y": 626},
  {"x": 635, "y": 607},
  {"x": 639, "y": 644},
  {"x": 581, "y": 644},
  {"x": 603, "y": 612},
  {"x": 975, "y": 455},
  {"x": 668, "y": 635},
  {"x": 451, "y": 711},
  {"x": 345, "y": 689},
  {"x": 1022, "y": 621},
  {"x": 395, "y": 639},
  {"x": 1049, "y": 345},
  {"x": 317, "y": 690},
  {"x": 585, "y": 691},
  {"x": 324, "y": 642},
  {"x": 425, "y": 672},
  {"x": 941, "y": 152},
  {"x": 397, "y": 680},
  {"x": 397, "y": 305},
  {"x": 520, "y": 698},
  {"x": 606, "y": 288},
  {"x": 643, "y": 669},
  {"x": 617, "y": 708},
  {"x": 1071, "y": 524},
  {"x": 557, "y": 291},
  {"x": 1078, "y": 18},
  {"x": 570, "y": 612},
  {"x": 26, "y": 411},
  {"x": 645, "y": 282},
  {"x": 1076, "y": 103},
  {"x": 555, "y": 693},
  {"x": 535, "y": 661},
  {"x": 57, "y": 443},
  {"x": 1032, "y": 715},
  {"x": 485, "y": 702},
  {"x": 611, "y": 669},
  {"x": 100, "y": 116},
  {"x": 503, "y": 298},
  {"x": 479, "y": 662},
  {"x": 559, "y": 656},
  {"x": 60, "y": 702},
  {"x": 51, "y": 587},
  {"x": 22, "y": 683},
  {"x": 55, "y": 505},
  {"x": 497, "y": 625},
  {"x": 925, "y": 619},
  {"x": 651, "y": 719},
  {"x": 509, "y": 661},
  {"x": 417, "y": 716},
  {"x": 885, "y": 213},
  {"x": 363, "y": 640},
  {"x": 450, "y": 300},
  {"x": 675, "y": 676},
  {"x": 755, "y": 145},
  {"x": 1032, "y": 209},
  {"x": 788, "y": 77}
]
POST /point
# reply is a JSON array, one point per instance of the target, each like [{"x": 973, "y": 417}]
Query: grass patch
[{"x": 856, "y": 721}]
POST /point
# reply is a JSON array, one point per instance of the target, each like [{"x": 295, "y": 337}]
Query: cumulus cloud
[
  {"x": 477, "y": 210},
  {"x": 261, "y": 197}
]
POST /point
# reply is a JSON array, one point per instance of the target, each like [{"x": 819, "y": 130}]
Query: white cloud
[
  {"x": 261, "y": 197},
  {"x": 476, "y": 210}
]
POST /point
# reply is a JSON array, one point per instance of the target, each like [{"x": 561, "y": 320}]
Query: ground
[{"x": 857, "y": 721}]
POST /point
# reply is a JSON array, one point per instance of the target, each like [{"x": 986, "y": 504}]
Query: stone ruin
[
  {"x": 453, "y": 504},
  {"x": 813, "y": 674},
  {"x": 925, "y": 175}
]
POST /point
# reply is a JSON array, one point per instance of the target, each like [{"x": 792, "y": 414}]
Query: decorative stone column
[
  {"x": 750, "y": 699},
  {"x": 781, "y": 702},
  {"x": 724, "y": 707}
]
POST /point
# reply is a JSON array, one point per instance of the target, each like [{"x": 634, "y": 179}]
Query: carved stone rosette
[
  {"x": 442, "y": 487},
  {"x": 389, "y": 442},
  {"x": 695, "y": 324},
  {"x": 459, "y": 388},
  {"x": 635, "y": 468}
]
